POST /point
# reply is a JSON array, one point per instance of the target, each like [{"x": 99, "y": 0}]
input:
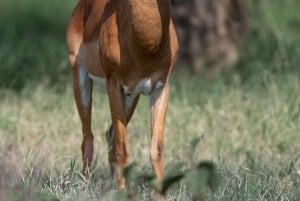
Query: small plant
[{"x": 197, "y": 178}]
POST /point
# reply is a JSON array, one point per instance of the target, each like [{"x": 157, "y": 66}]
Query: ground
[{"x": 246, "y": 121}]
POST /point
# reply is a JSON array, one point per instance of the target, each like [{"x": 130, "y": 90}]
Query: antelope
[{"x": 130, "y": 47}]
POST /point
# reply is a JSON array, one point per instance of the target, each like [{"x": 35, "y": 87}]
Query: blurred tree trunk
[{"x": 210, "y": 32}]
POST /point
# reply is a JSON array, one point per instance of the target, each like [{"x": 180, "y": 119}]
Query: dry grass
[
  {"x": 248, "y": 122},
  {"x": 250, "y": 132}
]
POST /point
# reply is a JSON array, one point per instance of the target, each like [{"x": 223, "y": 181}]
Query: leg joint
[{"x": 157, "y": 153}]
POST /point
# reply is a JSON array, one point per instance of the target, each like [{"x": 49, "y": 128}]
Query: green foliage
[
  {"x": 273, "y": 38},
  {"x": 196, "y": 178},
  {"x": 246, "y": 120},
  {"x": 33, "y": 43}
]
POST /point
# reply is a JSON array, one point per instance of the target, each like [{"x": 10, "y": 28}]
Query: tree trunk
[{"x": 210, "y": 32}]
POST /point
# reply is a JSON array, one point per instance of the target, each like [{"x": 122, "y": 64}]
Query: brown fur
[{"x": 123, "y": 41}]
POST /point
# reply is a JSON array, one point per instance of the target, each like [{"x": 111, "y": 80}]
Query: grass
[{"x": 247, "y": 120}]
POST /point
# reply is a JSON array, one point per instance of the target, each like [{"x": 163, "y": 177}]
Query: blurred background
[
  {"x": 235, "y": 92},
  {"x": 232, "y": 35},
  {"x": 252, "y": 36}
]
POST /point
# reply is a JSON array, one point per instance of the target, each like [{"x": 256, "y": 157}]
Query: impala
[{"x": 130, "y": 47}]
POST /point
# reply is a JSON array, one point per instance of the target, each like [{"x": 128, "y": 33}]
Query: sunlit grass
[
  {"x": 248, "y": 120},
  {"x": 250, "y": 131}
]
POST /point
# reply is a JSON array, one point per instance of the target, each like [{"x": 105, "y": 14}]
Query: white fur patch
[
  {"x": 144, "y": 87},
  {"x": 85, "y": 86},
  {"x": 159, "y": 85},
  {"x": 98, "y": 80},
  {"x": 84, "y": 81},
  {"x": 126, "y": 90}
]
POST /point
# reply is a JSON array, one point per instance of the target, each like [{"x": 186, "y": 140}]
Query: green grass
[{"x": 247, "y": 120}]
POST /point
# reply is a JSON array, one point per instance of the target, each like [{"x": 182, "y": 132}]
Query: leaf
[
  {"x": 206, "y": 165},
  {"x": 146, "y": 176},
  {"x": 213, "y": 177},
  {"x": 196, "y": 181},
  {"x": 128, "y": 170},
  {"x": 204, "y": 175},
  {"x": 173, "y": 169},
  {"x": 168, "y": 182}
]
